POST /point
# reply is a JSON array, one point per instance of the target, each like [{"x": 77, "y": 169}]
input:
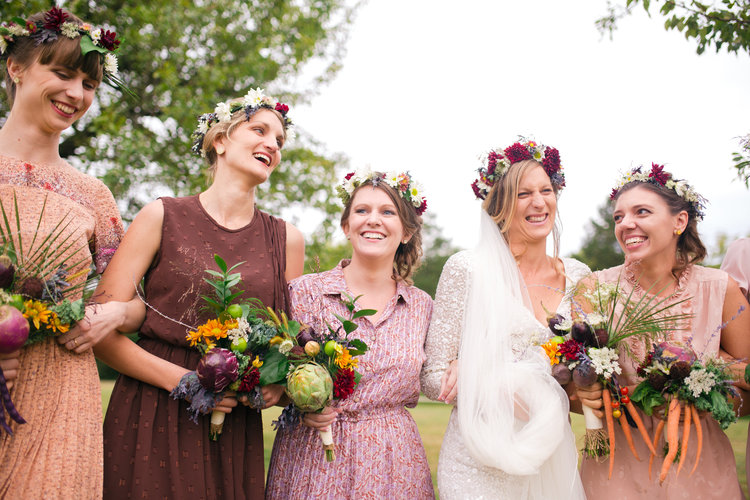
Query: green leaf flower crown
[
  {"x": 57, "y": 22},
  {"x": 254, "y": 100}
]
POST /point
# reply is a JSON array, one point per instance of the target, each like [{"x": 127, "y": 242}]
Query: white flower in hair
[
  {"x": 70, "y": 30},
  {"x": 253, "y": 97},
  {"x": 291, "y": 135},
  {"x": 3, "y": 45},
  {"x": 110, "y": 63},
  {"x": 223, "y": 111},
  {"x": 96, "y": 35},
  {"x": 17, "y": 30}
]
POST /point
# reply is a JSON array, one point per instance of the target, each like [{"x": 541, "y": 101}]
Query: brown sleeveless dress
[{"x": 151, "y": 448}]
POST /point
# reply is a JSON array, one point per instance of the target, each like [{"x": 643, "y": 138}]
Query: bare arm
[
  {"x": 735, "y": 336},
  {"x": 295, "y": 252}
]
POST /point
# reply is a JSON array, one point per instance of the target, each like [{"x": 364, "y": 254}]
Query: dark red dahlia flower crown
[
  {"x": 659, "y": 177},
  {"x": 498, "y": 161}
]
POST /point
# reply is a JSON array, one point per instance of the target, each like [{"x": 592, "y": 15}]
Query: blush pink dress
[
  {"x": 716, "y": 475},
  {"x": 379, "y": 453}
]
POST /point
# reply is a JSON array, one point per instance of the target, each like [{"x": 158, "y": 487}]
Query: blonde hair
[{"x": 500, "y": 203}]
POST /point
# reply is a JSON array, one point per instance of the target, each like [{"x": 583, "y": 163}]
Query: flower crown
[
  {"x": 402, "y": 182},
  {"x": 499, "y": 161},
  {"x": 254, "y": 100},
  {"x": 56, "y": 22},
  {"x": 659, "y": 177}
]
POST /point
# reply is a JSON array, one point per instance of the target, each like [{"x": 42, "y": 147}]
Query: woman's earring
[
  {"x": 219, "y": 150},
  {"x": 677, "y": 232},
  {"x": 16, "y": 79}
]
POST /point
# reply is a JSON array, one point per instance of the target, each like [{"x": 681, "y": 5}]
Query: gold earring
[
  {"x": 219, "y": 150},
  {"x": 678, "y": 232},
  {"x": 16, "y": 79}
]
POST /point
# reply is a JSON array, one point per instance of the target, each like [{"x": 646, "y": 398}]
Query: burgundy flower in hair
[
  {"x": 282, "y": 108},
  {"x": 517, "y": 152},
  {"x": 476, "y": 190},
  {"x": 658, "y": 175},
  {"x": 348, "y": 176},
  {"x": 492, "y": 162},
  {"x": 109, "y": 40},
  {"x": 551, "y": 161},
  {"x": 54, "y": 19},
  {"x": 613, "y": 193},
  {"x": 422, "y": 207}
]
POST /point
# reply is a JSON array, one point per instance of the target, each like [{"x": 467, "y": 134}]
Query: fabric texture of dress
[
  {"x": 716, "y": 476},
  {"x": 379, "y": 452},
  {"x": 459, "y": 474},
  {"x": 58, "y": 452},
  {"x": 152, "y": 449}
]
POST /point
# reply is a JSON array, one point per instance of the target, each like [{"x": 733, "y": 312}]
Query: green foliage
[
  {"x": 437, "y": 250},
  {"x": 600, "y": 249},
  {"x": 181, "y": 58},
  {"x": 726, "y": 24},
  {"x": 741, "y": 160},
  {"x": 222, "y": 285}
]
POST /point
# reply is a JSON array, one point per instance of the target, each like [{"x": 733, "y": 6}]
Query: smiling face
[
  {"x": 52, "y": 96},
  {"x": 373, "y": 227},
  {"x": 645, "y": 227},
  {"x": 536, "y": 207},
  {"x": 253, "y": 148}
]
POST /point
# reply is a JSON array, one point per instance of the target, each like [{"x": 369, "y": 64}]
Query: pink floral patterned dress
[
  {"x": 58, "y": 452},
  {"x": 379, "y": 452}
]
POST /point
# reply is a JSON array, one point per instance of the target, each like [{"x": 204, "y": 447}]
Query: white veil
[{"x": 512, "y": 414}]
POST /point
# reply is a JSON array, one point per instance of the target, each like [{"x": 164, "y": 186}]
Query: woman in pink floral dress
[{"x": 379, "y": 452}]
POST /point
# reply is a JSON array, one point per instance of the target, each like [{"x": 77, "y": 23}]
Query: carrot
[
  {"x": 657, "y": 435},
  {"x": 698, "y": 435},
  {"x": 628, "y": 436},
  {"x": 685, "y": 436},
  {"x": 641, "y": 428},
  {"x": 673, "y": 429},
  {"x": 607, "y": 399}
]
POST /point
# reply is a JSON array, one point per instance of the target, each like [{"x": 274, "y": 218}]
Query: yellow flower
[
  {"x": 213, "y": 328},
  {"x": 56, "y": 325},
  {"x": 345, "y": 360},
  {"x": 552, "y": 350},
  {"x": 37, "y": 312},
  {"x": 276, "y": 340},
  {"x": 257, "y": 363},
  {"x": 193, "y": 338}
]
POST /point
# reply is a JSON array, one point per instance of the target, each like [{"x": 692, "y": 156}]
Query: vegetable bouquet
[
  {"x": 242, "y": 349},
  {"x": 674, "y": 377},
  {"x": 587, "y": 350}
]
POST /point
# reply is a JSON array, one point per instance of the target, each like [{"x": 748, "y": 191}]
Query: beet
[
  {"x": 584, "y": 375},
  {"x": 601, "y": 337},
  {"x": 561, "y": 373},
  {"x": 32, "y": 288},
  {"x": 14, "y": 329},
  {"x": 552, "y": 321},
  {"x": 581, "y": 332},
  {"x": 7, "y": 272}
]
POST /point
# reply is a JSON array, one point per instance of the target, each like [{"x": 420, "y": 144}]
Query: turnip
[{"x": 14, "y": 329}]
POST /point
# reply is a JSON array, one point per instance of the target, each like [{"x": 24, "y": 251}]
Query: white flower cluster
[
  {"x": 564, "y": 325},
  {"x": 402, "y": 182},
  {"x": 110, "y": 64},
  {"x": 602, "y": 295},
  {"x": 595, "y": 319},
  {"x": 604, "y": 361},
  {"x": 680, "y": 187},
  {"x": 700, "y": 381},
  {"x": 235, "y": 334},
  {"x": 70, "y": 30}
]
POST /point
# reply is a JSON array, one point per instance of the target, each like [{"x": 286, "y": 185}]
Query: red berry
[{"x": 624, "y": 391}]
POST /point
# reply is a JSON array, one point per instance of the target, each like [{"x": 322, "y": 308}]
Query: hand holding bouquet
[{"x": 673, "y": 375}]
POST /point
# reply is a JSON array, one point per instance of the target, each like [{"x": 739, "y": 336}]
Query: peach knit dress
[{"x": 58, "y": 452}]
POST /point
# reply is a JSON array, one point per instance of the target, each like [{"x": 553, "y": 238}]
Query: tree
[
  {"x": 600, "y": 249},
  {"x": 181, "y": 58},
  {"x": 437, "y": 249},
  {"x": 741, "y": 160},
  {"x": 725, "y": 25}
]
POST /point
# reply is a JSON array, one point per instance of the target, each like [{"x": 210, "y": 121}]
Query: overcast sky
[{"x": 428, "y": 86}]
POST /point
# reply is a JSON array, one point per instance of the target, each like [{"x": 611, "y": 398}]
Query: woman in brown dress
[
  {"x": 151, "y": 448},
  {"x": 53, "y": 68}
]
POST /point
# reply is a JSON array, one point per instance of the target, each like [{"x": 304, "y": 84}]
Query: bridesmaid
[
  {"x": 379, "y": 453},
  {"x": 53, "y": 69},
  {"x": 656, "y": 224},
  {"x": 151, "y": 447}
]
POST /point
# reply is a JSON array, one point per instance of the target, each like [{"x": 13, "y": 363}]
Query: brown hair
[
  {"x": 500, "y": 203},
  {"x": 63, "y": 51},
  {"x": 690, "y": 248},
  {"x": 409, "y": 254},
  {"x": 225, "y": 129}
]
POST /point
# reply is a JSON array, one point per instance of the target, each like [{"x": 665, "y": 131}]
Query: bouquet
[
  {"x": 35, "y": 291},
  {"x": 587, "y": 350},
  {"x": 242, "y": 349},
  {"x": 323, "y": 368},
  {"x": 674, "y": 376}
]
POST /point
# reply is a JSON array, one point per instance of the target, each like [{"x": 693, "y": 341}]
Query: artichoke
[{"x": 310, "y": 387}]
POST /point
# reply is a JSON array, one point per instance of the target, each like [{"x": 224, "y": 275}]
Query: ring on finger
[{"x": 75, "y": 342}]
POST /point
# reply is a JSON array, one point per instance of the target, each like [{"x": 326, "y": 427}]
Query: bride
[{"x": 509, "y": 436}]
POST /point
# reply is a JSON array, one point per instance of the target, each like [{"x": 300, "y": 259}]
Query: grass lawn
[{"x": 432, "y": 419}]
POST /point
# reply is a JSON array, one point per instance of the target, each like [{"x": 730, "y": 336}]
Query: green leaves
[
  {"x": 647, "y": 398},
  {"x": 222, "y": 285},
  {"x": 274, "y": 369}
]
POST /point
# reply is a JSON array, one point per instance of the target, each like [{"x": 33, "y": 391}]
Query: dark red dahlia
[
  {"x": 31, "y": 27},
  {"x": 422, "y": 207},
  {"x": 613, "y": 194},
  {"x": 54, "y": 19},
  {"x": 570, "y": 349},
  {"x": 551, "y": 161},
  {"x": 343, "y": 384},
  {"x": 349, "y": 176},
  {"x": 492, "y": 159},
  {"x": 476, "y": 190},
  {"x": 282, "y": 108},
  {"x": 517, "y": 152},
  {"x": 658, "y": 174},
  {"x": 249, "y": 380},
  {"x": 109, "y": 40}
]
